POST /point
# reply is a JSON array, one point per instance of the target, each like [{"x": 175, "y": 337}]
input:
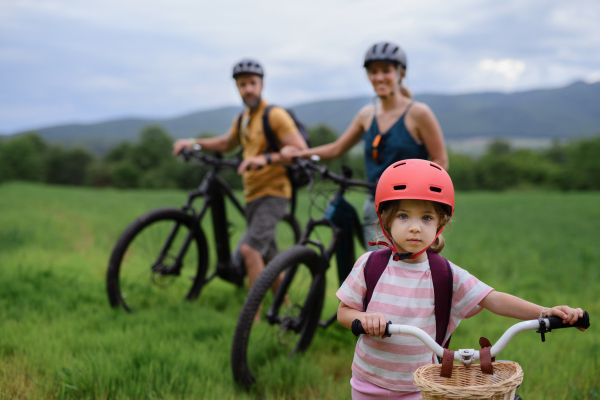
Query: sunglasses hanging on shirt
[{"x": 377, "y": 151}]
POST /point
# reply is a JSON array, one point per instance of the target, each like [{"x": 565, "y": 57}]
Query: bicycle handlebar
[
  {"x": 326, "y": 173},
  {"x": 216, "y": 160},
  {"x": 466, "y": 356}
]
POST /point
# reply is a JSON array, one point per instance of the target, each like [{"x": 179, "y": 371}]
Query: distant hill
[{"x": 567, "y": 112}]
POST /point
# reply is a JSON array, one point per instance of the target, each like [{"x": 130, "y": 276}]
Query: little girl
[{"x": 414, "y": 200}]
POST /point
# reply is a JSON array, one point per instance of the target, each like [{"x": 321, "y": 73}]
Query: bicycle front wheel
[
  {"x": 144, "y": 270},
  {"x": 288, "y": 318}
]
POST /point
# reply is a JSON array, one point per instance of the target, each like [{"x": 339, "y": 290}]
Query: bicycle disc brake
[
  {"x": 285, "y": 335},
  {"x": 162, "y": 275}
]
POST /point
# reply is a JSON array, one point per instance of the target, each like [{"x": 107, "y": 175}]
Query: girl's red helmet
[{"x": 415, "y": 179}]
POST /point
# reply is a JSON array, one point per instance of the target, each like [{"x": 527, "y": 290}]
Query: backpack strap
[
  {"x": 239, "y": 126},
  {"x": 441, "y": 274},
  {"x": 376, "y": 264},
  {"x": 269, "y": 134}
]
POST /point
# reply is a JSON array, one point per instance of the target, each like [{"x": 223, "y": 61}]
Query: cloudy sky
[{"x": 79, "y": 61}]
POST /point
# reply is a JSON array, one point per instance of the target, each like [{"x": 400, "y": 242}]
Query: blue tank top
[{"x": 396, "y": 144}]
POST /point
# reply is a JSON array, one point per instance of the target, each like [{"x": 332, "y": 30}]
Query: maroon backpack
[{"x": 441, "y": 274}]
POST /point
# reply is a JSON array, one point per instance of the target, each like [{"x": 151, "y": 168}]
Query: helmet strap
[
  {"x": 426, "y": 248},
  {"x": 391, "y": 245},
  {"x": 398, "y": 81}
]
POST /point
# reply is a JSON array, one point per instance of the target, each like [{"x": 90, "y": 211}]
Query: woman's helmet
[
  {"x": 248, "y": 66},
  {"x": 414, "y": 179},
  {"x": 387, "y": 52}
]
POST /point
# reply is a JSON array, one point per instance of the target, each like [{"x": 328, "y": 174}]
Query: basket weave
[{"x": 469, "y": 383}]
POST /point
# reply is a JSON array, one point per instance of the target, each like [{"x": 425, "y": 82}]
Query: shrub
[{"x": 22, "y": 158}]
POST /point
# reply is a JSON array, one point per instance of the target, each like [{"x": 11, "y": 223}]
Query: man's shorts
[{"x": 262, "y": 216}]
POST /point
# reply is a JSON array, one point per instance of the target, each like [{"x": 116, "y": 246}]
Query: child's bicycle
[
  {"x": 146, "y": 266},
  {"x": 487, "y": 380},
  {"x": 291, "y": 316}
]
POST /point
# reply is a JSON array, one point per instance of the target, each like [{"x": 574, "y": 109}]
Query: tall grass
[{"x": 60, "y": 339}]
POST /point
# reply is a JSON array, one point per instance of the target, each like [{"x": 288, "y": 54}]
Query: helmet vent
[
  {"x": 384, "y": 47},
  {"x": 435, "y": 189},
  {"x": 435, "y": 166},
  {"x": 397, "y": 165},
  {"x": 399, "y": 187},
  {"x": 395, "y": 50}
]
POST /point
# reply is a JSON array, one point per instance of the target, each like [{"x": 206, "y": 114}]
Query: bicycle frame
[
  {"x": 214, "y": 190},
  {"x": 326, "y": 254}
]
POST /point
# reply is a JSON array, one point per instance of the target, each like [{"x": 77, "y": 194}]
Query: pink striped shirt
[{"x": 404, "y": 294}]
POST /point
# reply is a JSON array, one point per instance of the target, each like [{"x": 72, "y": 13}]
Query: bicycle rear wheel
[
  {"x": 289, "y": 318},
  {"x": 142, "y": 270}
]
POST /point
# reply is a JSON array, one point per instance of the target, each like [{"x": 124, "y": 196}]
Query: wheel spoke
[
  {"x": 144, "y": 278},
  {"x": 285, "y": 326}
]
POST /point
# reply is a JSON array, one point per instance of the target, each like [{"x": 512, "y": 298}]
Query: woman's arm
[
  {"x": 333, "y": 150},
  {"x": 294, "y": 140},
  {"x": 372, "y": 323},
  {"x": 511, "y": 306},
  {"x": 429, "y": 131}
]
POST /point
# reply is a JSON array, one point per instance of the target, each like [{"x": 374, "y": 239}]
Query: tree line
[{"x": 149, "y": 164}]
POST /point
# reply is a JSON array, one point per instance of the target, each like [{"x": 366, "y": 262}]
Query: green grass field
[{"x": 60, "y": 339}]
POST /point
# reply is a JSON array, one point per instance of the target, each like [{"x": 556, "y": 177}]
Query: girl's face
[
  {"x": 383, "y": 77},
  {"x": 414, "y": 227}
]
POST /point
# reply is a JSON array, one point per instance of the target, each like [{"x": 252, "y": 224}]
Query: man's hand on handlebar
[{"x": 252, "y": 163}]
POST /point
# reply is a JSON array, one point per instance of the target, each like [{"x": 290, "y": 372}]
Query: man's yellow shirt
[{"x": 272, "y": 179}]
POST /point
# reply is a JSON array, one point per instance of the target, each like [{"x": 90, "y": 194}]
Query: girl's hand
[
  {"x": 373, "y": 324},
  {"x": 569, "y": 315}
]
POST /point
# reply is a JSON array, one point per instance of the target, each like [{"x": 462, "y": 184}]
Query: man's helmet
[
  {"x": 387, "y": 52},
  {"x": 248, "y": 66},
  {"x": 414, "y": 179}
]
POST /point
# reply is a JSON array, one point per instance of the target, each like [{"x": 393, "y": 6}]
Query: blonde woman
[{"x": 396, "y": 128}]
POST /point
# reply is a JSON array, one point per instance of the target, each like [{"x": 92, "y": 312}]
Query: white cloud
[
  {"x": 593, "y": 77},
  {"x": 161, "y": 57},
  {"x": 509, "y": 68}
]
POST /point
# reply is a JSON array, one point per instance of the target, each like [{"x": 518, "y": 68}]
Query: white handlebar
[{"x": 466, "y": 356}]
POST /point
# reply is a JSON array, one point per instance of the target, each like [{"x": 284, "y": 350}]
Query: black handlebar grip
[
  {"x": 186, "y": 153},
  {"x": 583, "y": 322},
  {"x": 357, "y": 328}
]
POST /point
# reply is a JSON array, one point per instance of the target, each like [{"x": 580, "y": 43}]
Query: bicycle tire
[
  {"x": 140, "y": 245},
  {"x": 303, "y": 260}
]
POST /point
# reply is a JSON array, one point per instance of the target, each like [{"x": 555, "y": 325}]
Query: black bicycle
[
  {"x": 291, "y": 316},
  {"x": 164, "y": 253}
]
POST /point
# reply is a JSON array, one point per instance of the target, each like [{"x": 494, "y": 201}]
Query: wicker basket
[{"x": 469, "y": 382}]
